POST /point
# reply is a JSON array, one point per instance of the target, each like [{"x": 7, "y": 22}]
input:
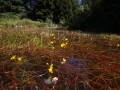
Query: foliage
[
  {"x": 89, "y": 15},
  {"x": 99, "y": 16},
  {"x": 106, "y": 15},
  {"x": 12, "y": 6},
  {"x": 12, "y": 15},
  {"x": 14, "y": 22},
  {"x": 77, "y": 20},
  {"x": 56, "y": 10}
]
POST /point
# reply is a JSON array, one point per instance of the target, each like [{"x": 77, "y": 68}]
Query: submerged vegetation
[{"x": 34, "y": 57}]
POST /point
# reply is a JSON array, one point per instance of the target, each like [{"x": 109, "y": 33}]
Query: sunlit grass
[
  {"x": 19, "y": 23},
  {"x": 41, "y": 58}
]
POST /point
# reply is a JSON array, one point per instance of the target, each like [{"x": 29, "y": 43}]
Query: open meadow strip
[{"x": 39, "y": 58}]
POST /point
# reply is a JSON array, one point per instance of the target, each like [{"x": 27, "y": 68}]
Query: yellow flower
[
  {"x": 66, "y": 43},
  {"x": 64, "y": 60},
  {"x": 13, "y": 57},
  {"x": 51, "y": 42},
  {"x": 50, "y": 68},
  {"x": 63, "y": 45},
  {"x": 54, "y": 37},
  {"x": 118, "y": 45},
  {"x": 66, "y": 39},
  {"x": 20, "y": 59},
  {"x": 52, "y": 34},
  {"x": 53, "y": 48}
]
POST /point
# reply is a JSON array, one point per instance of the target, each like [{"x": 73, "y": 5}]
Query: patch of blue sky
[{"x": 80, "y": 1}]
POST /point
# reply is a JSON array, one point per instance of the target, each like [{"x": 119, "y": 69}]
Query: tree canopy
[
  {"x": 105, "y": 16},
  {"x": 98, "y": 16}
]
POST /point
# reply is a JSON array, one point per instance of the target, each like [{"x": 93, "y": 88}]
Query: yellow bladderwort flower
[
  {"x": 13, "y": 57},
  {"x": 53, "y": 48},
  {"x": 51, "y": 42},
  {"x": 52, "y": 35},
  {"x": 66, "y": 43},
  {"x": 118, "y": 45},
  {"x": 63, "y": 61},
  {"x": 63, "y": 45},
  {"x": 20, "y": 59},
  {"x": 66, "y": 39},
  {"x": 50, "y": 68}
]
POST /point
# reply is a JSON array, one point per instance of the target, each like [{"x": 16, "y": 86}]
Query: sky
[{"x": 80, "y": 1}]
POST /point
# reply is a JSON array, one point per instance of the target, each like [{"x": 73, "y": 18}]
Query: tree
[
  {"x": 11, "y": 6},
  {"x": 83, "y": 12},
  {"x": 98, "y": 16},
  {"x": 105, "y": 16},
  {"x": 55, "y": 10},
  {"x": 64, "y": 9},
  {"x": 43, "y": 9},
  {"x": 5, "y": 6}
]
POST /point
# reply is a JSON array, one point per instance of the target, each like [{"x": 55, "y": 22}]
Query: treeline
[
  {"x": 12, "y": 6},
  {"x": 41, "y": 10},
  {"x": 98, "y": 16},
  {"x": 92, "y": 15}
]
